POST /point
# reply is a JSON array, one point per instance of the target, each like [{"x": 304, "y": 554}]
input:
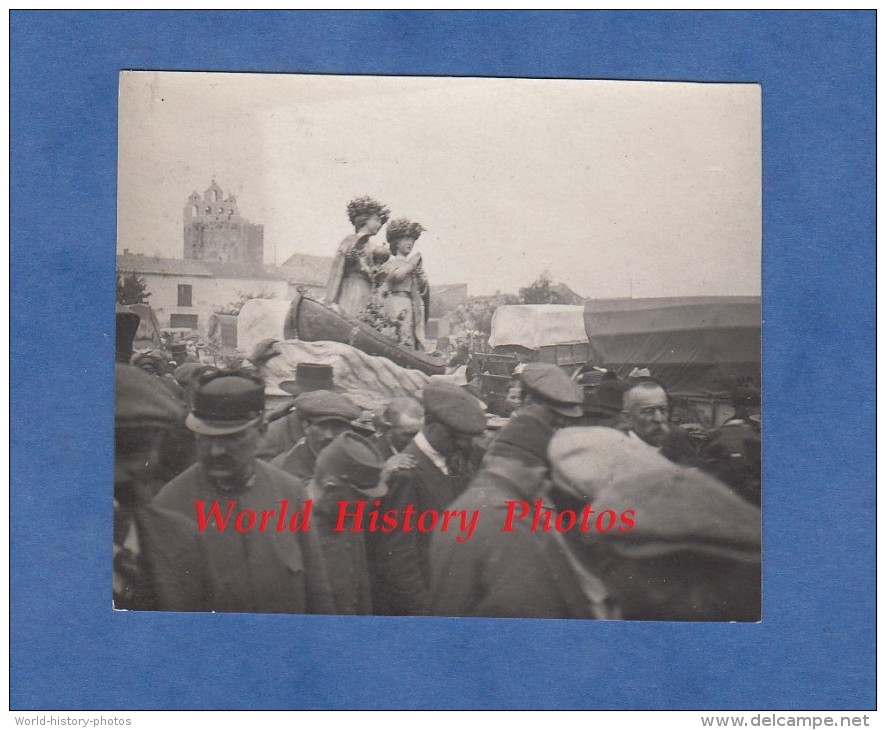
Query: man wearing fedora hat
[
  {"x": 323, "y": 416},
  {"x": 203, "y": 566},
  {"x": 349, "y": 471},
  {"x": 284, "y": 424},
  {"x": 400, "y": 560}
]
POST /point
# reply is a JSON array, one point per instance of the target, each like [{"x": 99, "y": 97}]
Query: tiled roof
[
  {"x": 307, "y": 269},
  {"x": 137, "y": 263}
]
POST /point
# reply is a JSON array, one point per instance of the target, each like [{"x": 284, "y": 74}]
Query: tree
[
  {"x": 476, "y": 313},
  {"x": 132, "y": 289},
  {"x": 540, "y": 291}
]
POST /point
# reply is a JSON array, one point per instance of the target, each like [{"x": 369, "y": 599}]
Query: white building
[{"x": 185, "y": 292}]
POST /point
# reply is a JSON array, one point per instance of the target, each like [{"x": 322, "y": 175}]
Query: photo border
[{"x": 814, "y": 648}]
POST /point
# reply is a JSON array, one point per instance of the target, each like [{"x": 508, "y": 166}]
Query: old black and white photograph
[{"x": 438, "y": 346}]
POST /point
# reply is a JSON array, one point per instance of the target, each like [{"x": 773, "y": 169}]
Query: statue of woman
[
  {"x": 350, "y": 280},
  {"x": 405, "y": 283}
]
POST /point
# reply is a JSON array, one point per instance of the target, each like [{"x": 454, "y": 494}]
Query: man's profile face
[
  {"x": 230, "y": 459},
  {"x": 647, "y": 410},
  {"x": 403, "y": 430}
]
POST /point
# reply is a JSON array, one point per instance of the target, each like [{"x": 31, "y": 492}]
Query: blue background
[{"x": 815, "y": 646}]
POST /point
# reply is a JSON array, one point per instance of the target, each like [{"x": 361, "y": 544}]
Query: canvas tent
[
  {"x": 692, "y": 344},
  {"x": 148, "y": 334}
]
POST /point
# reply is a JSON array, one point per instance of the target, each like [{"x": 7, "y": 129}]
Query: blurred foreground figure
[
  {"x": 144, "y": 412},
  {"x": 507, "y": 568},
  {"x": 694, "y": 551},
  {"x": 348, "y": 470},
  {"x": 227, "y": 530},
  {"x": 733, "y": 453}
]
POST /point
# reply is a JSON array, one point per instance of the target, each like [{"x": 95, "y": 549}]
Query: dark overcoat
[
  {"x": 400, "y": 561},
  {"x": 228, "y": 570}
]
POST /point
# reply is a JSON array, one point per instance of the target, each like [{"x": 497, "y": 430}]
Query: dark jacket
[
  {"x": 298, "y": 462},
  {"x": 142, "y": 579},
  {"x": 400, "y": 561},
  {"x": 345, "y": 556},
  {"x": 282, "y": 435},
  {"x": 509, "y": 574},
  {"x": 227, "y": 570}
]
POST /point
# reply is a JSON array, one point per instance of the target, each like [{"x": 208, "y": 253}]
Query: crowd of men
[{"x": 200, "y": 461}]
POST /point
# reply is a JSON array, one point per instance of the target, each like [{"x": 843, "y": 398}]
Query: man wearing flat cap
[
  {"x": 204, "y": 567},
  {"x": 550, "y": 394},
  {"x": 284, "y": 424},
  {"x": 400, "y": 560},
  {"x": 519, "y": 573},
  {"x": 349, "y": 472},
  {"x": 144, "y": 413},
  {"x": 324, "y": 415},
  {"x": 693, "y": 553}
]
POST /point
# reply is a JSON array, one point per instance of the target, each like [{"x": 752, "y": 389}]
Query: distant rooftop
[
  {"x": 312, "y": 270},
  {"x": 140, "y": 264},
  {"x": 300, "y": 268}
]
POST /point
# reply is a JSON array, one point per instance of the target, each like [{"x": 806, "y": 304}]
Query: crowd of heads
[{"x": 563, "y": 440}]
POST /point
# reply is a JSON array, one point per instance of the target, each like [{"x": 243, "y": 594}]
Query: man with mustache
[
  {"x": 216, "y": 568},
  {"x": 646, "y": 412}
]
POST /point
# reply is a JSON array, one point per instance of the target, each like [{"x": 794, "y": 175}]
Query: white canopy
[{"x": 538, "y": 325}]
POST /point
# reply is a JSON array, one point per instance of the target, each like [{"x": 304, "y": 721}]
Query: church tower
[{"x": 215, "y": 231}]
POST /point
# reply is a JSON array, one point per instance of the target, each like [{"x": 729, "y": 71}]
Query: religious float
[
  {"x": 370, "y": 367},
  {"x": 311, "y": 321}
]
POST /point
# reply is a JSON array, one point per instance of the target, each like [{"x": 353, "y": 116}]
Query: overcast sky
[{"x": 613, "y": 187}]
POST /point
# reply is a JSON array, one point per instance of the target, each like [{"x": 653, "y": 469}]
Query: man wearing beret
[
  {"x": 519, "y": 573},
  {"x": 144, "y": 412},
  {"x": 205, "y": 567},
  {"x": 323, "y": 416},
  {"x": 400, "y": 560},
  {"x": 550, "y": 394},
  {"x": 348, "y": 471}
]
